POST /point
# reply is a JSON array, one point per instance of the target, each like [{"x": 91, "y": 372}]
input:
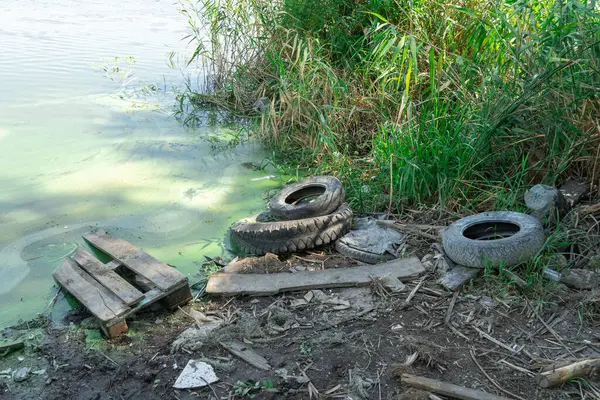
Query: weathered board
[
  {"x": 6, "y": 348},
  {"x": 140, "y": 262},
  {"x": 101, "y": 302},
  {"x": 108, "y": 277},
  {"x": 265, "y": 285},
  {"x": 244, "y": 352},
  {"x": 154, "y": 295},
  {"x": 447, "y": 389}
]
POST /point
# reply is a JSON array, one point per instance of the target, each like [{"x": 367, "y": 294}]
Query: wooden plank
[
  {"x": 6, "y": 348},
  {"x": 152, "y": 296},
  {"x": 244, "y": 352},
  {"x": 101, "y": 302},
  {"x": 266, "y": 285},
  {"x": 447, "y": 389},
  {"x": 116, "y": 330},
  {"x": 142, "y": 263},
  {"x": 177, "y": 298},
  {"x": 108, "y": 277},
  {"x": 113, "y": 264}
]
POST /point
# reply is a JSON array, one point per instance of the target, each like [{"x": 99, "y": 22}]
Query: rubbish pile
[
  {"x": 304, "y": 215},
  {"x": 310, "y": 214}
]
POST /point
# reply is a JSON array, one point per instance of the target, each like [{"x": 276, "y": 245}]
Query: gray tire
[
  {"x": 253, "y": 237},
  {"x": 326, "y": 194},
  {"x": 360, "y": 255},
  {"x": 493, "y": 238}
]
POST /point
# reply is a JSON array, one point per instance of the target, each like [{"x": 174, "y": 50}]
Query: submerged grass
[{"x": 459, "y": 104}]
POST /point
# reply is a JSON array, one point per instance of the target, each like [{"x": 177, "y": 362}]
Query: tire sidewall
[
  {"x": 511, "y": 250},
  {"x": 324, "y": 204}
]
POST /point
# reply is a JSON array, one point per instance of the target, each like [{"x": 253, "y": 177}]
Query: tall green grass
[{"x": 458, "y": 104}]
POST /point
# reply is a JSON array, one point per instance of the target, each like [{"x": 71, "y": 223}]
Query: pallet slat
[
  {"x": 108, "y": 278},
  {"x": 101, "y": 302},
  {"x": 140, "y": 262},
  {"x": 231, "y": 284}
]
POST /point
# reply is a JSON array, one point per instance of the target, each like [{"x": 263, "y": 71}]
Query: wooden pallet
[{"x": 104, "y": 290}]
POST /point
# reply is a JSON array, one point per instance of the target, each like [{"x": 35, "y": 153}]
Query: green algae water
[{"x": 80, "y": 148}]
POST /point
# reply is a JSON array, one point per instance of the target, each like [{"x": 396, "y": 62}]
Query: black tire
[
  {"x": 252, "y": 237},
  {"x": 360, "y": 255},
  {"x": 327, "y": 195},
  {"x": 493, "y": 238}
]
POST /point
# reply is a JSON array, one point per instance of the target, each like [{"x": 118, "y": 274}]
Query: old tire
[
  {"x": 326, "y": 194},
  {"x": 493, "y": 238},
  {"x": 252, "y": 237},
  {"x": 360, "y": 255}
]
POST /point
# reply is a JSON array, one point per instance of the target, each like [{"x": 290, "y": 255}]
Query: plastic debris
[
  {"x": 371, "y": 238},
  {"x": 196, "y": 374}
]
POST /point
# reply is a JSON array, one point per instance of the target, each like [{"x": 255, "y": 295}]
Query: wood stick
[
  {"x": 413, "y": 292},
  {"x": 53, "y": 299},
  {"x": 590, "y": 209},
  {"x": 500, "y": 388},
  {"x": 451, "y": 307},
  {"x": 556, "y": 376},
  {"x": 517, "y": 368},
  {"x": 552, "y": 331},
  {"x": 495, "y": 341},
  {"x": 447, "y": 389}
]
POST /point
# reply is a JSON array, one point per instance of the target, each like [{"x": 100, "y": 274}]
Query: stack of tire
[{"x": 304, "y": 215}]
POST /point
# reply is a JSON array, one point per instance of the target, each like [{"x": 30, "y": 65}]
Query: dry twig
[{"x": 500, "y": 388}]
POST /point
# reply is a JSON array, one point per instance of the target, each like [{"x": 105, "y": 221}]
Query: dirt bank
[{"x": 348, "y": 343}]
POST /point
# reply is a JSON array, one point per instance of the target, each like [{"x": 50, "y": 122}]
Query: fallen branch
[
  {"x": 413, "y": 292},
  {"x": 556, "y": 376},
  {"x": 590, "y": 209},
  {"x": 450, "y": 308},
  {"x": 447, "y": 389},
  {"x": 53, "y": 299},
  {"x": 497, "y": 342}
]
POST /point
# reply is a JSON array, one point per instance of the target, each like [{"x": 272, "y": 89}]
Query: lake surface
[{"x": 87, "y": 139}]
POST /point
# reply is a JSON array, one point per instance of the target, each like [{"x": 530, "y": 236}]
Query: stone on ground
[
  {"x": 392, "y": 284},
  {"x": 194, "y": 337},
  {"x": 545, "y": 201},
  {"x": 21, "y": 374}
]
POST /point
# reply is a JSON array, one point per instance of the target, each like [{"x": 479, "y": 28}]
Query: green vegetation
[
  {"x": 250, "y": 389},
  {"x": 455, "y": 104}
]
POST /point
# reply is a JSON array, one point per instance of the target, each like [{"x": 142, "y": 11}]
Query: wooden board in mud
[
  {"x": 142, "y": 263},
  {"x": 108, "y": 278},
  {"x": 101, "y": 302},
  {"x": 269, "y": 284}
]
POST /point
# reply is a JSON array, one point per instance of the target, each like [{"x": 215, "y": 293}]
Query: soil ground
[{"x": 347, "y": 344}]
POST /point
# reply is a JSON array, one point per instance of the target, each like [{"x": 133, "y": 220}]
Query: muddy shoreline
[{"x": 347, "y": 343}]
